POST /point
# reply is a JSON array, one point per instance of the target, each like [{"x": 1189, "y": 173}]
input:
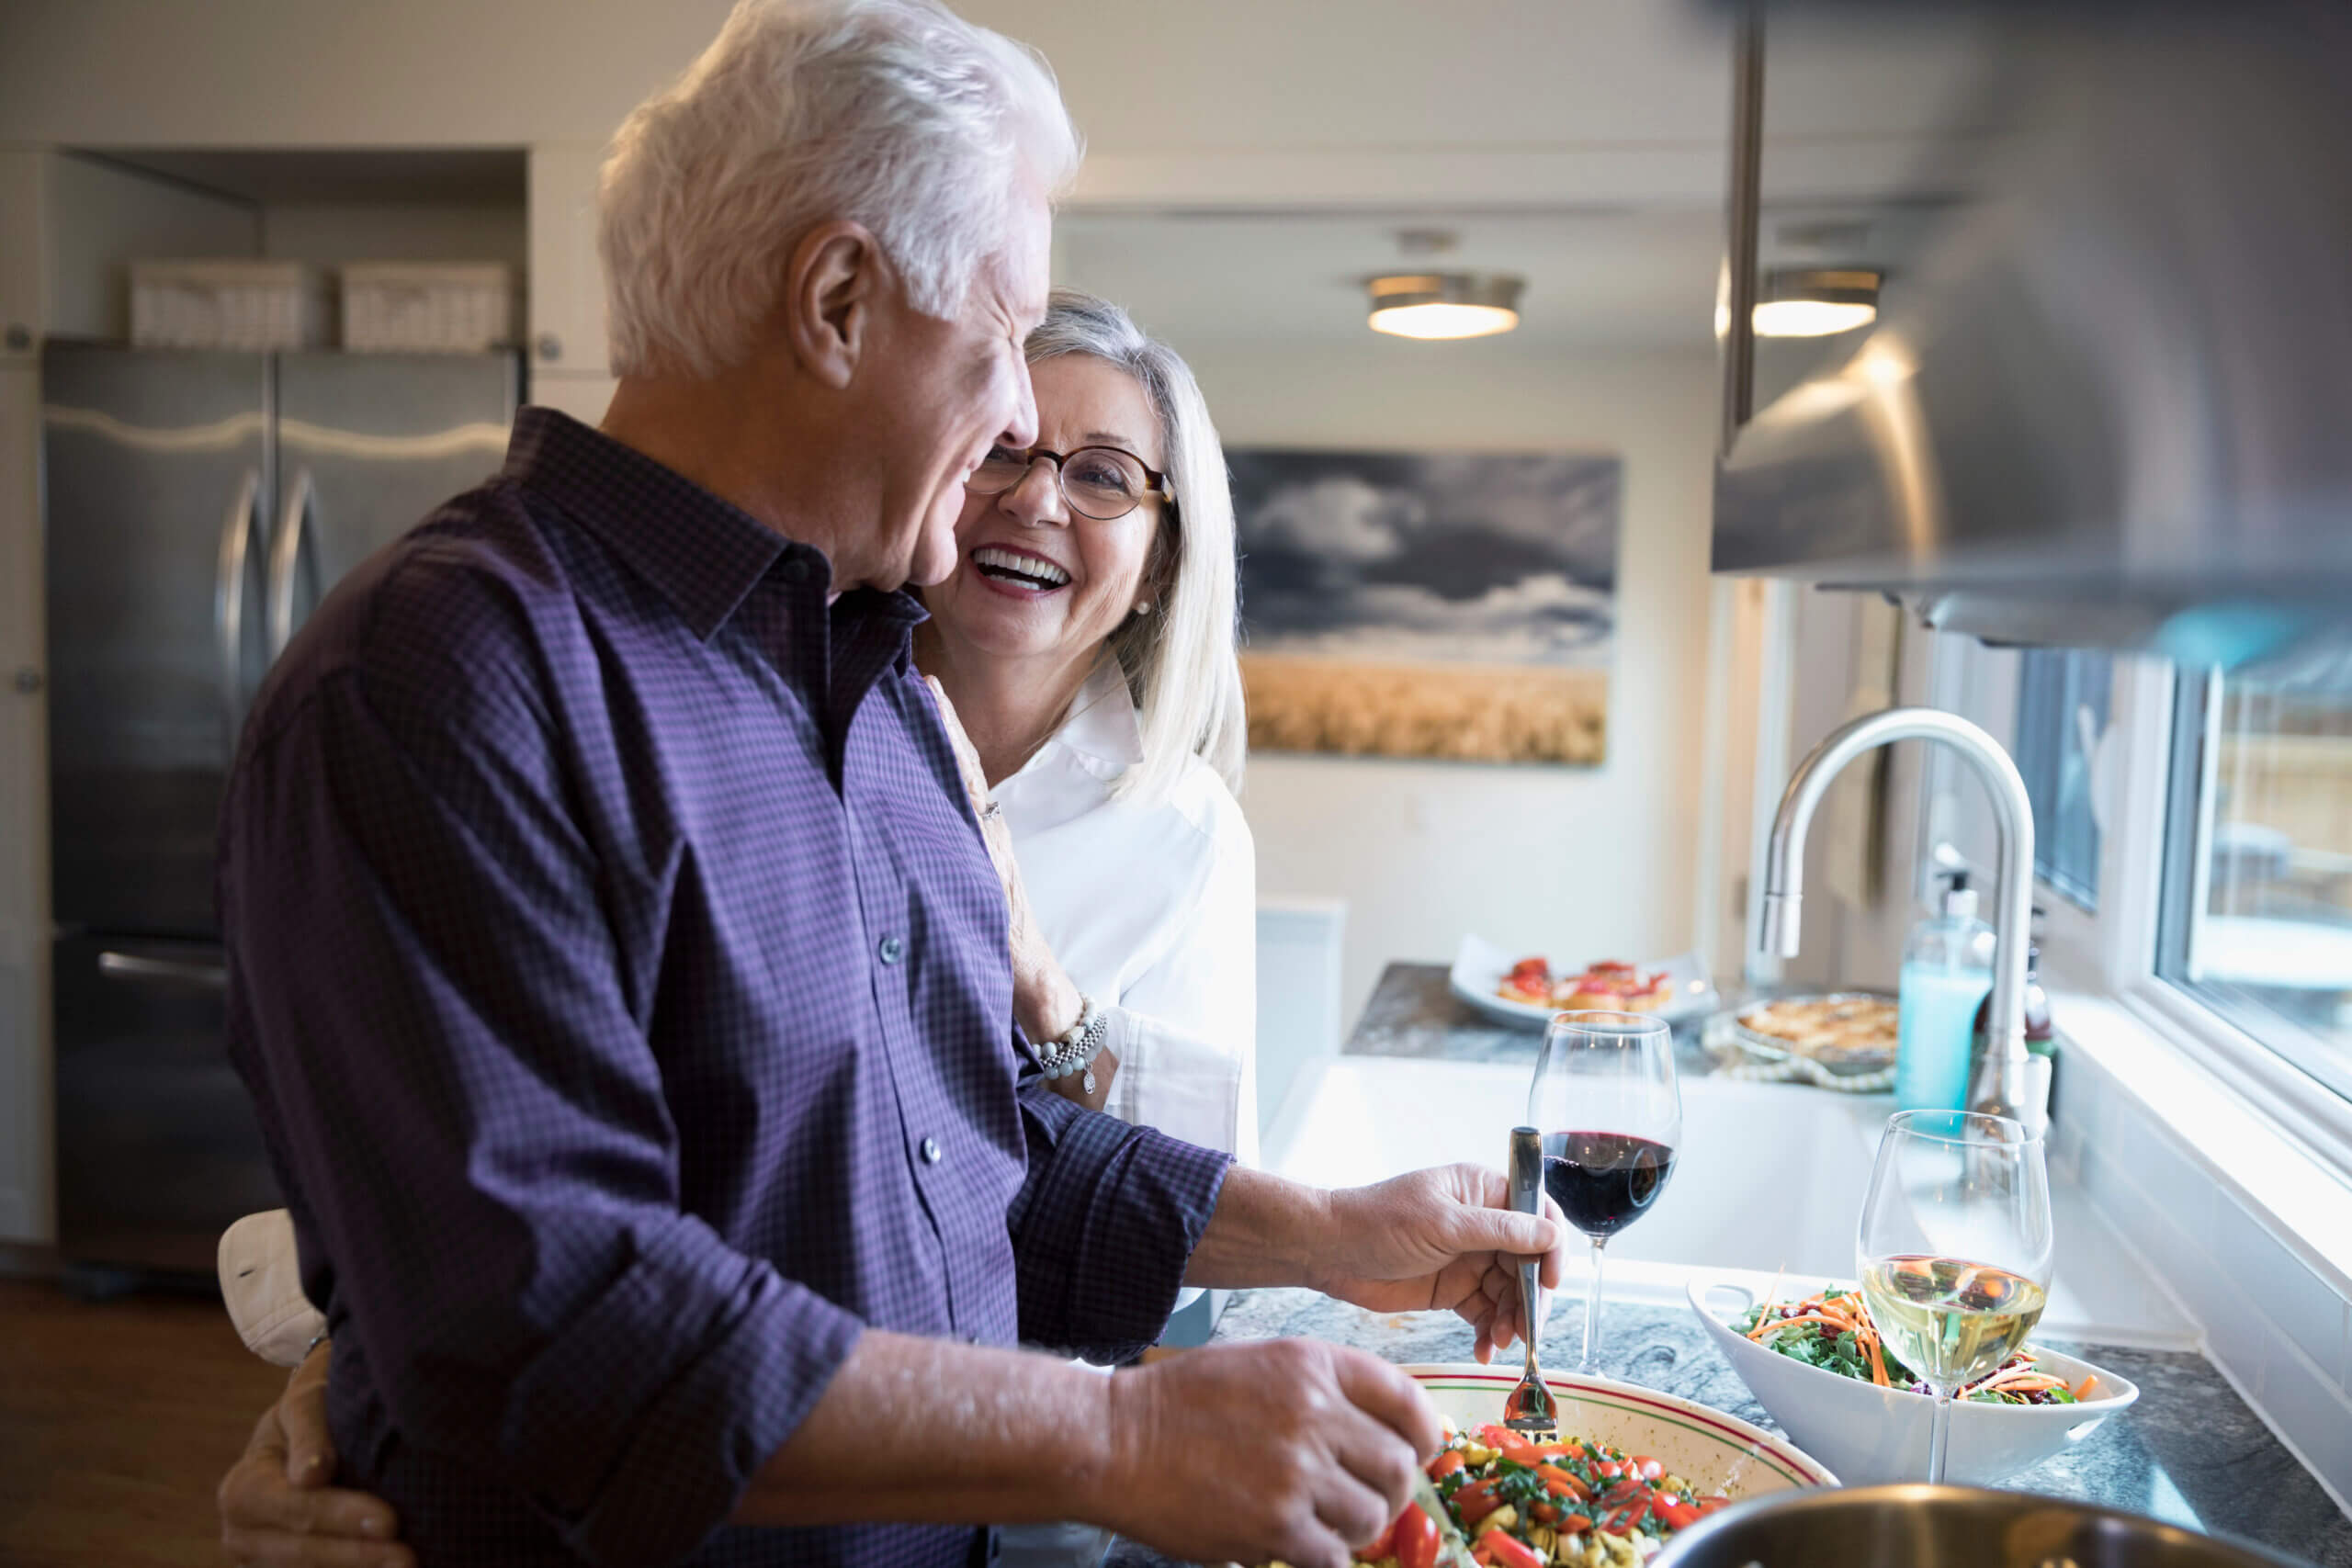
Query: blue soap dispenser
[{"x": 1947, "y": 973}]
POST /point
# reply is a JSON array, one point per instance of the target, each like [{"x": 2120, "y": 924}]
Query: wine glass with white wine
[{"x": 1954, "y": 1250}]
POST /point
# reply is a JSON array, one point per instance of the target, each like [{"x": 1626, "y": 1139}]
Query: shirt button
[
  {"x": 892, "y": 950},
  {"x": 931, "y": 1154},
  {"x": 796, "y": 571}
]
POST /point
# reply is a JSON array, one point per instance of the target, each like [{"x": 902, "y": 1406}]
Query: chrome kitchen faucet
[{"x": 2010, "y": 1080}]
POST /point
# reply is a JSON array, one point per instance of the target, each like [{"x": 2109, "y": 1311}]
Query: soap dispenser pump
[{"x": 1947, "y": 975}]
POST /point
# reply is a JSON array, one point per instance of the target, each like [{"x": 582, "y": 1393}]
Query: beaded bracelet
[{"x": 1075, "y": 1052}]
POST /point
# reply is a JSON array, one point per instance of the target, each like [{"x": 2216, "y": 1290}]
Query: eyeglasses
[{"x": 1102, "y": 482}]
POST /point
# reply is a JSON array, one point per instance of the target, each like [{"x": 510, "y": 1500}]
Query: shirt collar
[
  {"x": 699, "y": 552},
  {"x": 1103, "y": 731}
]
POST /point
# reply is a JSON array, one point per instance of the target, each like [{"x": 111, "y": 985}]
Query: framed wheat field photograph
[{"x": 1428, "y": 605}]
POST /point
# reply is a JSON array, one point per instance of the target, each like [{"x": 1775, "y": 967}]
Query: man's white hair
[{"x": 894, "y": 114}]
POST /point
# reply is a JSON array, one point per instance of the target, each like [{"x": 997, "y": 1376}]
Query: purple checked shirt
[{"x": 622, "y": 980}]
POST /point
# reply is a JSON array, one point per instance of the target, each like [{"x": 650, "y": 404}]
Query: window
[
  {"x": 2062, "y": 713},
  {"x": 2256, "y": 913}
]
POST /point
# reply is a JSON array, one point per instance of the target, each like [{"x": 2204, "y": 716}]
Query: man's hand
[
  {"x": 1291, "y": 1449},
  {"x": 1440, "y": 1239},
  {"x": 276, "y": 1505}
]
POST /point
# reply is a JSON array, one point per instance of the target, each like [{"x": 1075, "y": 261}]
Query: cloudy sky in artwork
[{"x": 1484, "y": 558}]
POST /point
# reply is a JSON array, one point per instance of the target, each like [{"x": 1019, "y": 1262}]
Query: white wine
[{"x": 1949, "y": 1320}]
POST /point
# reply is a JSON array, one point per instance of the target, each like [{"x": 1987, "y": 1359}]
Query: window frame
[
  {"x": 2114, "y": 951},
  {"x": 2270, "y": 1065}
]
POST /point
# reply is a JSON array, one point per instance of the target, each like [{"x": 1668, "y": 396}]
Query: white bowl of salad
[
  {"x": 1811, "y": 1357},
  {"x": 1627, "y": 1469}
]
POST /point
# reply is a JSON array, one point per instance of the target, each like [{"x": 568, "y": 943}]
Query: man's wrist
[
  {"x": 1266, "y": 1231},
  {"x": 1327, "y": 1215}
]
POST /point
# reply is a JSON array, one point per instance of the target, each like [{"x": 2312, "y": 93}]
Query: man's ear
[{"x": 832, "y": 286}]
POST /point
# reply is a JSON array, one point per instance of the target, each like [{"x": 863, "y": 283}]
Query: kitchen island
[{"x": 2190, "y": 1451}]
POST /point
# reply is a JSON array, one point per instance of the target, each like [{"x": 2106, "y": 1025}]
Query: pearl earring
[{"x": 1143, "y": 607}]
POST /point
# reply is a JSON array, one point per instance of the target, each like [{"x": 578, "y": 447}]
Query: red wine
[{"x": 1602, "y": 1181}]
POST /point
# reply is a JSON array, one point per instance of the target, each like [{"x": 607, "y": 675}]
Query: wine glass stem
[
  {"x": 1592, "y": 1314},
  {"x": 1939, "y": 1431}
]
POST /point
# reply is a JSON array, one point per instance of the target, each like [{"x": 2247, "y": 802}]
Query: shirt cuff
[
  {"x": 691, "y": 1437},
  {"x": 1104, "y": 1227}
]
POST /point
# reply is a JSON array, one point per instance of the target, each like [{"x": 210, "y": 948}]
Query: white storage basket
[
  {"x": 256, "y": 306},
  {"x": 427, "y": 307}
]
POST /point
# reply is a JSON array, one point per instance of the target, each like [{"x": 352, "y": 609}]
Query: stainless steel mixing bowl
[{"x": 1946, "y": 1527}]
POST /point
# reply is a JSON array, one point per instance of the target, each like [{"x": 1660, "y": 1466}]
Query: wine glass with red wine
[{"x": 1611, "y": 1112}]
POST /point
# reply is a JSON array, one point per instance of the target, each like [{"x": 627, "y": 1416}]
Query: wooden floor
[{"x": 116, "y": 1422}]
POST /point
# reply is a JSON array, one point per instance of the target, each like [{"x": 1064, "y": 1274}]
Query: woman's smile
[{"x": 1021, "y": 573}]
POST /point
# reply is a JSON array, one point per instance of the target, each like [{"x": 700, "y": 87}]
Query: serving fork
[{"x": 1529, "y": 1408}]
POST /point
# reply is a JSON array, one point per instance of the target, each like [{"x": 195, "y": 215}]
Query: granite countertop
[
  {"x": 1414, "y": 1013},
  {"x": 2189, "y": 1452}
]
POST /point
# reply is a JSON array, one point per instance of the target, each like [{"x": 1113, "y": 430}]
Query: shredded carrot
[
  {"x": 1779, "y": 1323},
  {"x": 2090, "y": 1381}
]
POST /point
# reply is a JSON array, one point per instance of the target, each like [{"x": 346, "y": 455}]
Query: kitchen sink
[{"x": 1768, "y": 1177}]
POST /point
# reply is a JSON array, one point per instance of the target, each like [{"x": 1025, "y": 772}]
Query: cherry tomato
[
  {"x": 1510, "y": 1445},
  {"x": 1447, "y": 1461},
  {"x": 1560, "y": 1484},
  {"x": 1474, "y": 1502},
  {"x": 1507, "y": 1550},
  {"x": 1625, "y": 1506},
  {"x": 1672, "y": 1511},
  {"x": 1380, "y": 1546},
  {"x": 1608, "y": 1468},
  {"x": 1542, "y": 1512},
  {"x": 1413, "y": 1537},
  {"x": 1646, "y": 1467},
  {"x": 1712, "y": 1505},
  {"x": 1574, "y": 1524}
]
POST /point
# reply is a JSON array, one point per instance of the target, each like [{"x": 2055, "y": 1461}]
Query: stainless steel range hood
[{"x": 2112, "y": 405}]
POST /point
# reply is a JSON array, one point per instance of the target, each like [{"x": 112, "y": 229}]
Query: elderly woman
[{"x": 1085, "y": 642}]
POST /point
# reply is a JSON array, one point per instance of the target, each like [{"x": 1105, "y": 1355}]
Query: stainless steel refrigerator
[{"x": 198, "y": 505}]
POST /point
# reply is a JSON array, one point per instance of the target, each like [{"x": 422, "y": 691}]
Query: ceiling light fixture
[
  {"x": 1817, "y": 302},
  {"x": 1444, "y": 304}
]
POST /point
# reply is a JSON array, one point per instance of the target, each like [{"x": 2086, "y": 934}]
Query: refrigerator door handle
[
  {"x": 174, "y": 970},
  {"x": 229, "y": 599},
  {"x": 285, "y": 555}
]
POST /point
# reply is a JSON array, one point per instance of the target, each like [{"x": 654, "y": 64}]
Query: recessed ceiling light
[
  {"x": 1817, "y": 302},
  {"x": 1444, "y": 304}
]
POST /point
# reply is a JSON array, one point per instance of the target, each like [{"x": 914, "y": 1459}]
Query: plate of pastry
[
  {"x": 1846, "y": 1031},
  {"x": 1527, "y": 988}
]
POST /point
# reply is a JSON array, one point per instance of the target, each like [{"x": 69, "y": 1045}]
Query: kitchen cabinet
[
  {"x": 582, "y": 396},
  {"x": 567, "y": 283},
  {"x": 24, "y": 869},
  {"x": 22, "y": 253}
]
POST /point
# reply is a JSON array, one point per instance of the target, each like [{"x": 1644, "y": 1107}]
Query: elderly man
[{"x": 622, "y": 978}]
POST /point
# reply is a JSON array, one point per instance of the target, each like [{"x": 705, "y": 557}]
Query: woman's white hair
[
  {"x": 894, "y": 114},
  {"x": 1181, "y": 660}
]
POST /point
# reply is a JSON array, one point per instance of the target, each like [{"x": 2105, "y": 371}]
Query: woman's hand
[
  {"x": 1046, "y": 1001},
  {"x": 276, "y": 1505}
]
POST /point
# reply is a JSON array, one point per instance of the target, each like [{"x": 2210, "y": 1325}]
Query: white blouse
[{"x": 1152, "y": 910}]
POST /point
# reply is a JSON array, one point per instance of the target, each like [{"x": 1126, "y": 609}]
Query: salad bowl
[
  {"x": 1873, "y": 1435},
  {"x": 1704, "y": 1445}
]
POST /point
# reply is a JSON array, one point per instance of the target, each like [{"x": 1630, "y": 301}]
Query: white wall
[{"x": 1577, "y": 863}]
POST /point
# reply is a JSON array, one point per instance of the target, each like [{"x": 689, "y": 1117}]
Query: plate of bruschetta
[{"x": 1527, "y": 988}]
